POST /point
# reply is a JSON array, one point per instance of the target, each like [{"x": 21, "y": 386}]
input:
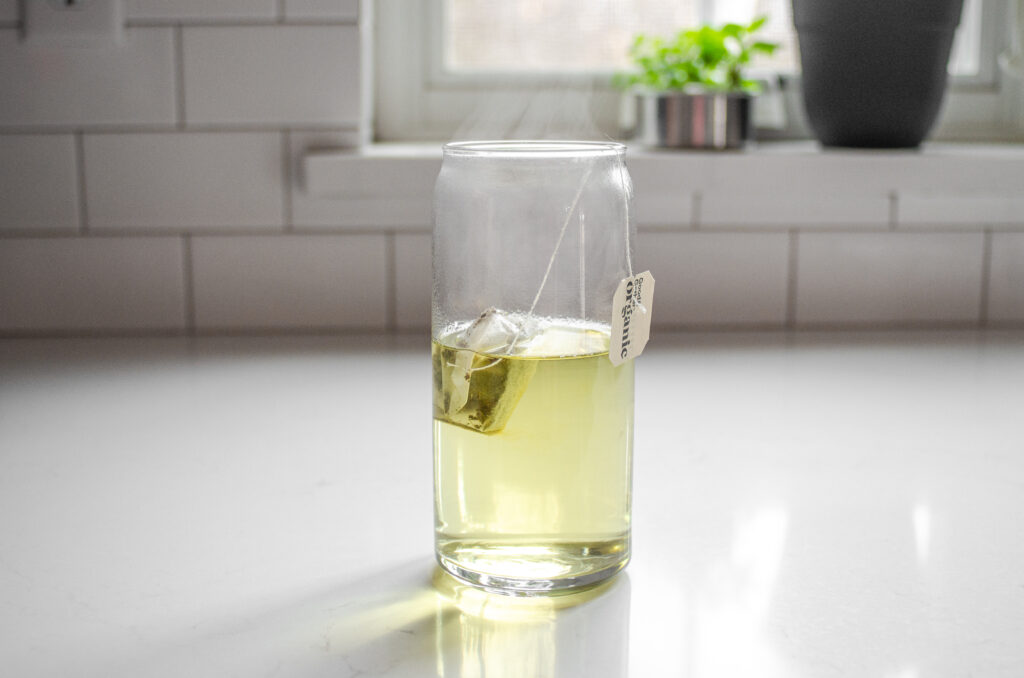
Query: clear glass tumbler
[{"x": 533, "y": 424}]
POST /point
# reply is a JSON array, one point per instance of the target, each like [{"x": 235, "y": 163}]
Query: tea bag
[{"x": 475, "y": 385}]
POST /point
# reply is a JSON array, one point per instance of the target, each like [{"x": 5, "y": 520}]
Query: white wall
[{"x": 158, "y": 187}]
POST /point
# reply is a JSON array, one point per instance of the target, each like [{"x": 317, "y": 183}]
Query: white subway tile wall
[
  {"x": 289, "y": 281},
  {"x": 413, "y": 281},
  {"x": 175, "y": 183},
  {"x": 889, "y": 278},
  {"x": 794, "y": 207},
  {"x": 132, "y": 83},
  {"x": 337, "y": 10},
  {"x": 716, "y": 279},
  {"x": 960, "y": 169},
  {"x": 38, "y": 182},
  {"x": 663, "y": 196},
  {"x": 199, "y": 10},
  {"x": 352, "y": 189},
  {"x": 957, "y": 209},
  {"x": 782, "y": 190},
  {"x": 284, "y": 75},
  {"x": 784, "y": 170},
  {"x": 400, "y": 212},
  {"x": 68, "y": 284},
  {"x": 1006, "y": 290},
  {"x": 9, "y": 11},
  {"x": 308, "y": 210},
  {"x": 664, "y": 209}
]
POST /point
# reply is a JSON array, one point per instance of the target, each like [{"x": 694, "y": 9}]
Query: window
[
  {"x": 533, "y": 34},
  {"x": 534, "y": 38},
  {"x": 464, "y": 68}
]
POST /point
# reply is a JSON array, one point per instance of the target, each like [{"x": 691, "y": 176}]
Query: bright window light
[{"x": 553, "y": 36}]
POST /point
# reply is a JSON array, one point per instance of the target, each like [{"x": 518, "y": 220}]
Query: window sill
[{"x": 778, "y": 185}]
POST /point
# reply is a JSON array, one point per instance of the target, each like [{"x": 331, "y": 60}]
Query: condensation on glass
[{"x": 533, "y": 425}]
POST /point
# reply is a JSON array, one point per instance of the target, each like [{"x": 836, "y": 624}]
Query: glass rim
[{"x": 533, "y": 149}]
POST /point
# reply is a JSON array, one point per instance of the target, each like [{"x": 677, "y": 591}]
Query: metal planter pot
[{"x": 714, "y": 121}]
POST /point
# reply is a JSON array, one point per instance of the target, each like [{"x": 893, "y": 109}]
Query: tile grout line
[
  {"x": 189, "y": 284},
  {"x": 695, "y": 208},
  {"x": 391, "y": 281},
  {"x": 83, "y": 207},
  {"x": 230, "y": 23},
  {"x": 179, "y": 76},
  {"x": 287, "y": 177},
  {"x": 171, "y": 128},
  {"x": 262, "y": 231},
  {"x": 986, "y": 277},
  {"x": 791, "y": 279},
  {"x": 893, "y": 210},
  {"x": 382, "y": 227}
]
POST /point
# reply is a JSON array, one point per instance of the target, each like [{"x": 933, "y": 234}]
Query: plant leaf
[
  {"x": 732, "y": 29},
  {"x": 705, "y": 57}
]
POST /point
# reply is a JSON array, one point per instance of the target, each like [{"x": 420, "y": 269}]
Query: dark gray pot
[
  {"x": 710, "y": 121},
  {"x": 874, "y": 71}
]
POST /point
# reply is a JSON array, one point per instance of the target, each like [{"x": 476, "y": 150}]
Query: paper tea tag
[{"x": 631, "y": 317}]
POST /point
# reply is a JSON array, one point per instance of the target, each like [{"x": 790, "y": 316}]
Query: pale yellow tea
[{"x": 532, "y": 459}]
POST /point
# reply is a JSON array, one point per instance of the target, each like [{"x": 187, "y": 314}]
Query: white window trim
[{"x": 414, "y": 100}]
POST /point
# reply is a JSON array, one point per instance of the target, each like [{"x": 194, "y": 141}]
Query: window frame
[{"x": 415, "y": 99}]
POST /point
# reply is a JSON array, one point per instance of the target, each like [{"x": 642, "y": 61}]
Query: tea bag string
[
  {"x": 554, "y": 254},
  {"x": 625, "y": 210},
  {"x": 629, "y": 254}
]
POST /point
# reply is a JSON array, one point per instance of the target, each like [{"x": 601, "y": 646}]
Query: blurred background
[{"x": 242, "y": 166}]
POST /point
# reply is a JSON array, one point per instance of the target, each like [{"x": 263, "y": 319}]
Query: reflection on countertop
[{"x": 411, "y": 620}]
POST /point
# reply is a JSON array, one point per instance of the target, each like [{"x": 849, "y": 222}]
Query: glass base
[{"x": 532, "y": 569}]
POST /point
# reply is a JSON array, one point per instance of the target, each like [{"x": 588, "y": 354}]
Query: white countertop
[{"x": 817, "y": 505}]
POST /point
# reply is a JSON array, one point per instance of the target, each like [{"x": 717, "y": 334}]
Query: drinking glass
[{"x": 533, "y": 423}]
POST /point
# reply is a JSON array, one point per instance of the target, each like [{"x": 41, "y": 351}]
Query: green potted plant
[{"x": 692, "y": 90}]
